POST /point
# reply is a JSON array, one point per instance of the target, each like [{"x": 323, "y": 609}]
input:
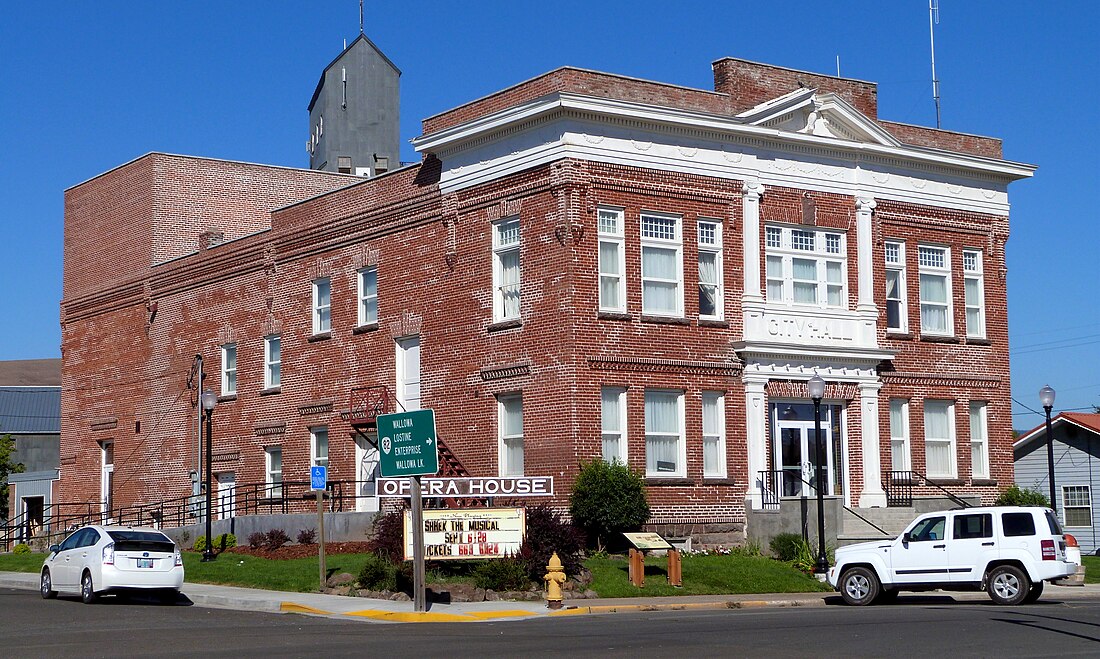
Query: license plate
[{"x": 145, "y": 562}]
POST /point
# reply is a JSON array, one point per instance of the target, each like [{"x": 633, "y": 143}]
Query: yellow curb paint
[
  {"x": 400, "y": 616},
  {"x": 515, "y": 613},
  {"x": 291, "y": 607},
  {"x": 571, "y": 612}
]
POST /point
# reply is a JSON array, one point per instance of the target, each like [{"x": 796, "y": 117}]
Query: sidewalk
[{"x": 270, "y": 601}]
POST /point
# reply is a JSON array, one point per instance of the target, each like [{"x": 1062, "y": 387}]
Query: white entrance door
[
  {"x": 107, "y": 480},
  {"x": 408, "y": 373},
  {"x": 366, "y": 472},
  {"x": 796, "y": 456},
  {"x": 226, "y": 501}
]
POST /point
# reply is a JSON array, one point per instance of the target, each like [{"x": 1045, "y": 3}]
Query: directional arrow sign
[{"x": 406, "y": 443}]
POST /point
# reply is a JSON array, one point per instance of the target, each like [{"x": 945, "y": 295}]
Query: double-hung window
[
  {"x": 662, "y": 265},
  {"x": 1077, "y": 504},
  {"x": 273, "y": 361},
  {"x": 510, "y": 424},
  {"x": 318, "y": 446},
  {"x": 806, "y": 266},
  {"x": 664, "y": 434},
  {"x": 368, "y": 296},
  {"x": 506, "y": 269},
  {"x": 710, "y": 269},
  {"x": 939, "y": 438},
  {"x": 714, "y": 435},
  {"x": 612, "y": 260},
  {"x": 613, "y": 423},
  {"x": 896, "y": 319},
  {"x": 229, "y": 369},
  {"x": 979, "y": 440},
  {"x": 935, "y": 289},
  {"x": 322, "y": 305},
  {"x": 899, "y": 435},
  {"x": 974, "y": 282},
  {"x": 274, "y": 459}
]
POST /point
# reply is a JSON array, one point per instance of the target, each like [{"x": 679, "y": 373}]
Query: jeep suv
[{"x": 1009, "y": 552}]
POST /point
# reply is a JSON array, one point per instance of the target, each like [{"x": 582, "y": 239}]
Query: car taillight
[
  {"x": 179, "y": 558},
  {"x": 109, "y": 554},
  {"x": 1048, "y": 550}
]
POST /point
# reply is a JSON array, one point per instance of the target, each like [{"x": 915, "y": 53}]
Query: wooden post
[
  {"x": 321, "y": 541},
  {"x": 636, "y": 568},
  {"x": 675, "y": 577},
  {"x": 419, "y": 596}
]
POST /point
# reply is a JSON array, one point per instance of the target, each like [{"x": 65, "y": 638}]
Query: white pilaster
[
  {"x": 873, "y": 495},
  {"x": 756, "y": 417},
  {"x": 750, "y": 238},
  {"x": 865, "y": 254}
]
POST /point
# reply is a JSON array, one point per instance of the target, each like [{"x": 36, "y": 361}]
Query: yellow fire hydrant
[{"x": 555, "y": 577}]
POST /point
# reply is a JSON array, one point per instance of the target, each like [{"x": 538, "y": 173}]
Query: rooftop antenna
[
  {"x": 838, "y": 66},
  {"x": 360, "y": 16},
  {"x": 933, "y": 20}
]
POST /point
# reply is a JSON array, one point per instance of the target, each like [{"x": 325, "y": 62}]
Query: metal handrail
[
  {"x": 900, "y": 489},
  {"x": 771, "y": 493},
  {"x": 868, "y": 522}
]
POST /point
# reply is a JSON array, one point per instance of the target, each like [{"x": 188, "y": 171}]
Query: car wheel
[
  {"x": 859, "y": 586},
  {"x": 1034, "y": 592},
  {"x": 87, "y": 590},
  {"x": 1008, "y": 585},
  {"x": 48, "y": 593}
]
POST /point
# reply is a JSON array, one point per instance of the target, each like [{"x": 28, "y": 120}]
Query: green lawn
[
  {"x": 703, "y": 575},
  {"x": 1092, "y": 568}
]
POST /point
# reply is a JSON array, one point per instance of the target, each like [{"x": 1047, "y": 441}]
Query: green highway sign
[{"x": 406, "y": 444}]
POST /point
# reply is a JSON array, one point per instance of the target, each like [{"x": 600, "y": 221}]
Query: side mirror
[
  {"x": 905, "y": 538},
  {"x": 55, "y": 548}
]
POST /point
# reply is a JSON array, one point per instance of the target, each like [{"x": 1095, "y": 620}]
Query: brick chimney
[{"x": 749, "y": 84}]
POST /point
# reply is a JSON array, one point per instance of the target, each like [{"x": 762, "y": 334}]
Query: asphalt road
[{"x": 925, "y": 626}]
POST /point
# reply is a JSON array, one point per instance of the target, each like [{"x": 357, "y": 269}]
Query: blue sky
[{"x": 88, "y": 86}]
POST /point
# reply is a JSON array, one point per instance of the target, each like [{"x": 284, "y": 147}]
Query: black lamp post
[
  {"x": 816, "y": 389},
  {"x": 209, "y": 401},
  {"x": 1046, "y": 397}
]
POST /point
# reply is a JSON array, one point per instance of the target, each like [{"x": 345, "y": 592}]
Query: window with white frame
[
  {"x": 322, "y": 305},
  {"x": 613, "y": 423},
  {"x": 974, "y": 282},
  {"x": 273, "y": 361},
  {"x": 979, "y": 440},
  {"x": 273, "y": 456},
  {"x": 506, "y": 269},
  {"x": 714, "y": 435},
  {"x": 899, "y": 435},
  {"x": 662, "y": 265},
  {"x": 612, "y": 260},
  {"x": 229, "y": 369},
  {"x": 664, "y": 433},
  {"x": 806, "y": 266},
  {"x": 318, "y": 446},
  {"x": 939, "y": 439},
  {"x": 935, "y": 289},
  {"x": 510, "y": 424},
  {"x": 896, "y": 318},
  {"x": 1077, "y": 505},
  {"x": 368, "y": 296},
  {"x": 710, "y": 269}
]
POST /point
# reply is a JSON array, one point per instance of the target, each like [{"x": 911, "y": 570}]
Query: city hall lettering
[
  {"x": 521, "y": 486},
  {"x": 808, "y": 328},
  {"x": 459, "y": 534}
]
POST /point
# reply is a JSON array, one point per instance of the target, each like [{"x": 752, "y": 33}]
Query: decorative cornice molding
[
  {"x": 315, "y": 407},
  {"x": 792, "y": 389},
  {"x": 226, "y": 456},
  {"x": 938, "y": 380},
  {"x": 643, "y": 365},
  {"x": 500, "y": 372},
  {"x": 105, "y": 423},
  {"x": 269, "y": 428}
]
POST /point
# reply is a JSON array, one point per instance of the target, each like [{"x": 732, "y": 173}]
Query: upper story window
[
  {"x": 664, "y": 434},
  {"x": 506, "y": 269},
  {"x": 935, "y": 289},
  {"x": 273, "y": 361},
  {"x": 613, "y": 423},
  {"x": 612, "y": 260},
  {"x": 806, "y": 266},
  {"x": 896, "y": 318},
  {"x": 322, "y": 305},
  {"x": 510, "y": 424},
  {"x": 710, "y": 269},
  {"x": 318, "y": 446},
  {"x": 662, "y": 265},
  {"x": 229, "y": 369},
  {"x": 368, "y": 296},
  {"x": 974, "y": 282}
]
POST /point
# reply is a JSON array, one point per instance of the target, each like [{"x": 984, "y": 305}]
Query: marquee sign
[
  {"x": 477, "y": 488},
  {"x": 469, "y": 534}
]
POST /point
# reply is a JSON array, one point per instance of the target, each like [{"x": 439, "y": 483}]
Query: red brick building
[{"x": 583, "y": 265}]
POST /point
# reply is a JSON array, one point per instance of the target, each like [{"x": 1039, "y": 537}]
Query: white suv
[{"x": 1007, "y": 551}]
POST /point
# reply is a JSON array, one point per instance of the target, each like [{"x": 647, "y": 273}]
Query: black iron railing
[
  {"x": 774, "y": 485},
  {"x": 899, "y": 489}
]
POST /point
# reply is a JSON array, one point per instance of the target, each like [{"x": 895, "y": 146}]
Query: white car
[
  {"x": 95, "y": 560},
  {"x": 1008, "y": 551}
]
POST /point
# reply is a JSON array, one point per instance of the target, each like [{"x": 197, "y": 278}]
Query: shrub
[
  {"x": 608, "y": 499},
  {"x": 388, "y": 536},
  {"x": 275, "y": 538},
  {"x": 787, "y": 546},
  {"x": 501, "y": 574},
  {"x": 257, "y": 539},
  {"x": 1014, "y": 496},
  {"x": 548, "y": 533},
  {"x": 221, "y": 542},
  {"x": 21, "y": 548},
  {"x": 378, "y": 573},
  {"x": 307, "y": 536}
]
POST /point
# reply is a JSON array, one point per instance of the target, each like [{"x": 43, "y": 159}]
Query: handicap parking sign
[{"x": 318, "y": 477}]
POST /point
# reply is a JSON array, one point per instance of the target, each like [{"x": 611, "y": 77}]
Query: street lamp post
[
  {"x": 816, "y": 389},
  {"x": 209, "y": 401},
  {"x": 1046, "y": 397}
]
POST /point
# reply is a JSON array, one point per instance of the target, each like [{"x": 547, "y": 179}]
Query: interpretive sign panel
[
  {"x": 646, "y": 541},
  {"x": 504, "y": 486},
  {"x": 468, "y": 534},
  {"x": 406, "y": 444}
]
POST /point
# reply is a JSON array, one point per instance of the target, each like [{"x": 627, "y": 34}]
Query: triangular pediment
[{"x": 823, "y": 115}]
